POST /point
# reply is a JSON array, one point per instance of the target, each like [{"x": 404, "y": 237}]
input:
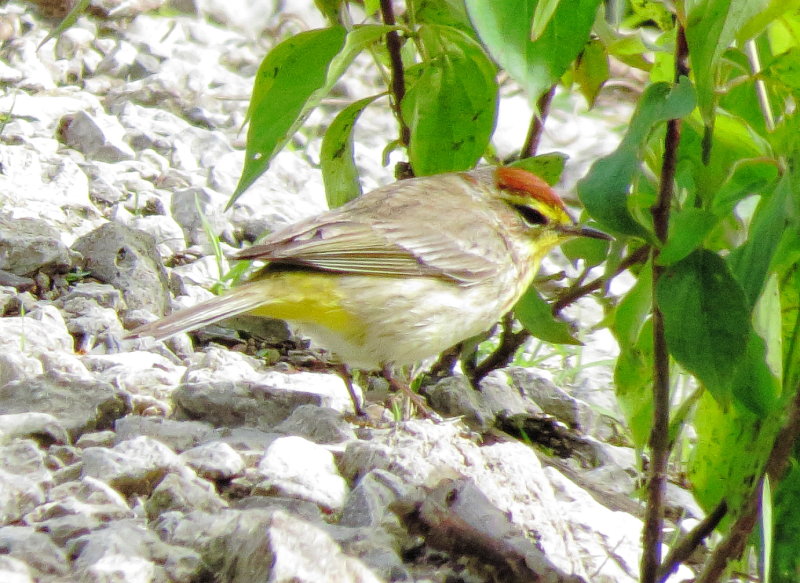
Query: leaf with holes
[
  {"x": 452, "y": 106},
  {"x": 291, "y": 81},
  {"x": 548, "y": 167},
  {"x": 336, "y": 160}
]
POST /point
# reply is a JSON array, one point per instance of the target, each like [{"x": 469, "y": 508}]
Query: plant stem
[
  {"x": 687, "y": 546},
  {"x": 761, "y": 88},
  {"x": 393, "y": 45},
  {"x": 571, "y": 295},
  {"x": 652, "y": 536},
  {"x": 537, "y": 124},
  {"x": 510, "y": 341}
]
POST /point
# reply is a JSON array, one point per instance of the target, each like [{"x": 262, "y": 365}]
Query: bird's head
[{"x": 542, "y": 212}]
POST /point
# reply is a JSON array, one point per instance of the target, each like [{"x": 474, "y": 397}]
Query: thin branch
[
  {"x": 537, "y": 124},
  {"x": 446, "y": 363},
  {"x": 653, "y": 535},
  {"x": 694, "y": 539},
  {"x": 393, "y": 45},
  {"x": 510, "y": 341},
  {"x": 574, "y": 294},
  {"x": 734, "y": 543},
  {"x": 761, "y": 88}
]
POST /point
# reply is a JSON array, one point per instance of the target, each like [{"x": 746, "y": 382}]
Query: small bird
[{"x": 401, "y": 273}]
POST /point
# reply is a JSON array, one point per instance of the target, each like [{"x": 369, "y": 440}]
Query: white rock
[
  {"x": 512, "y": 478},
  {"x": 185, "y": 205},
  {"x": 47, "y": 109},
  {"x": 73, "y": 41},
  {"x": 292, "y": 550},
  {"x": 89, "y": 491},
  {"x": 17, "y": 366},
  {"x": 18, "y": 496},
  {"x": 14, "y": 571},
  {"x": 133, "y": 466},
  {"x": 214, "y": 460},
  {"x": 298, "y": 468},
  {"x": 204, "y": 272},
  {"x": 31, "y": 424},
  {"x": 331, "y": 387},
  {"x": 119, "y": 61},
  {"x": 138, "y": 372},
  {"x": 217, "y": 364},
  {"x": 41, "y": 332},
  {"x": 178, "y": 435},
  {"x": 98, "y": 136},
  {"x": 120, "y": 569}
]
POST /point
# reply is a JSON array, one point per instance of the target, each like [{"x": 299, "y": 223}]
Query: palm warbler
[{"x": 403, "y": 272}]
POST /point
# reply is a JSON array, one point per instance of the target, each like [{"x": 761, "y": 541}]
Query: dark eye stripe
[{"x": 531, "y": 216}]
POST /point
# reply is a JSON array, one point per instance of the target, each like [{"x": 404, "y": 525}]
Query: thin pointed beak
[{"x": 580, "y": 231}]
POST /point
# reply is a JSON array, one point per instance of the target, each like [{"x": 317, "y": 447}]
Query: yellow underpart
[{"x": 301, "y": 296}]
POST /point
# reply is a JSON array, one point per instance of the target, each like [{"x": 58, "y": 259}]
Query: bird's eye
[{"x": 530, "y": 215}]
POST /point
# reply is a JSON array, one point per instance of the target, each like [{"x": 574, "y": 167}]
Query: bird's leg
[
  {"x": 399, "y": 385},
  {"x": 347, "y": 377}
]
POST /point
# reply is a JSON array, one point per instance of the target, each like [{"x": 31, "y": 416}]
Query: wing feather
[{"x": 388, "y": 232}]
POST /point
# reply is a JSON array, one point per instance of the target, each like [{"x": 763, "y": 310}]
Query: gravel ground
[{"x": 132, "y": 462}]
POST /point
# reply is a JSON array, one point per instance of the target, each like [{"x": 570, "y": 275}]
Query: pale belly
[{"x": 404, "y": 321}]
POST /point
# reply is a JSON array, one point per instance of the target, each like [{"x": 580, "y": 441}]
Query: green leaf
[
  {"x": 329, "y": 9},
  {"x": 757, "y": 384},
  {"x": 504, "y": 26},
  {"x": 786, "y": 137},
  {"x": 371, "y": 6},
  {"x": 706, "y": 319},
  {"x": 592, "y": 251},
  {"x": 542, "y": 15},
  {"x": 591, "y": 70},
  {"x": 783, "y": 33},
  {"x": 786, "y": 505},
  {"x": 548, "y": 167},
  {"x": 659, "y": 103},
  {"x": 747, "y": 177},
  {"x": 728, "y": 457},
  {"x": 733, "y": 141},
  {"x": 633, "y": 380},
  {"x": 451, "y": 108},
  {"x": 336, "y": 158},
  {"x": 688, "y": 228},
  {"x": 790, "y": 326},
  {"x": 291, "y": 81},
  {"x": 286, "y": 80},
  {"x": 70, "y": 19},
  {"x": 654, "y": 10},
  {"x": 764, "y": 12},
  {"x": 446, "y": 12},
  {"x": 750, "y": 262},
  {"x": 604, "y": 191},
  {"x": 634, "y": 308},
  {"x": 631, "y": 50},
  {"x": 537, "y": 317},
  {"x": 711, "y": 28},
  {"x": 785, "y": 69}
]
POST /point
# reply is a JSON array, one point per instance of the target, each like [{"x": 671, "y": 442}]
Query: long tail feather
[{"x": 237, "y": 301}]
